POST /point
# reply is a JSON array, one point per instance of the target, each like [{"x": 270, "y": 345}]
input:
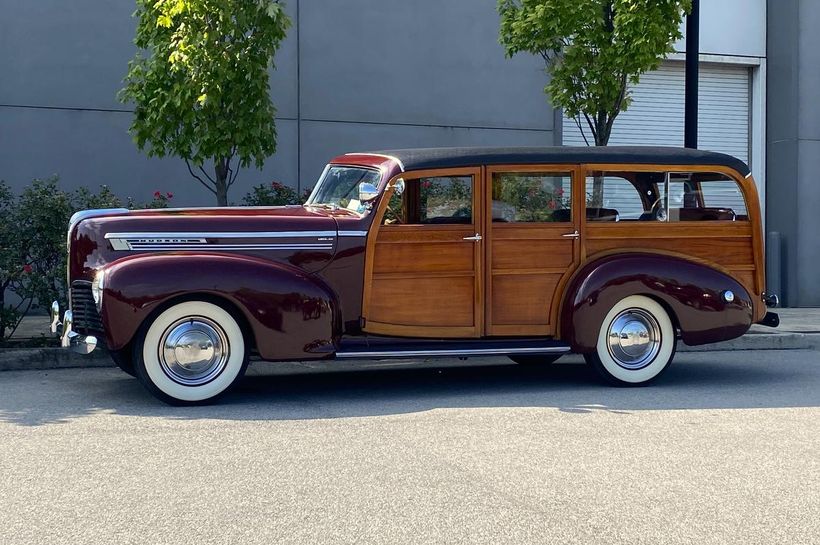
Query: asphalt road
[{"x": 725, "y": 449}]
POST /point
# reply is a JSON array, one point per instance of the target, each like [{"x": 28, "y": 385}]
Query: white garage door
[{"x": 655, "y": 116}]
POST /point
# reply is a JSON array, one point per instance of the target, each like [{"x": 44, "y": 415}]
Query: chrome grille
[{"x": 86, "y": 317}]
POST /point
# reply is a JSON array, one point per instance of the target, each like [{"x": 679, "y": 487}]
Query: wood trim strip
[
  {"x": 416, "y": 274},
  {"x": 512, "y": 272}
]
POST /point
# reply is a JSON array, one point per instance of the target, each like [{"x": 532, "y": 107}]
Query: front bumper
[{"x": 70, "y": 339}]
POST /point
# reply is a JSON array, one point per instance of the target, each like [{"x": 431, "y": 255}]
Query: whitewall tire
[
  {"x": 190, "y": 353},
  {"x": 636, "y": 342}
]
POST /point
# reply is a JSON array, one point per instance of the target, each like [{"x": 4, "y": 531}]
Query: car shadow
[{"x": 720, "y": 380}]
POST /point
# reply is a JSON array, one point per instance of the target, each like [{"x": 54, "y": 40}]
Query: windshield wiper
[{"x": 326, "y": 206}]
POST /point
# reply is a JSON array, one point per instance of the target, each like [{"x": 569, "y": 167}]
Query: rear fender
[
  {"x": 691, "y": 292},
  {"x": 291, "y": 314}
]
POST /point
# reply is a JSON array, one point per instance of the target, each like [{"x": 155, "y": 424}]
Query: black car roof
[{"x": 423, "y": 158}]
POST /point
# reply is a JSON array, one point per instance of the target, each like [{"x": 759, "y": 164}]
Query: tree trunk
[
  {"x": 601, "y": 139},
  {"x": 221, "y": 181}
]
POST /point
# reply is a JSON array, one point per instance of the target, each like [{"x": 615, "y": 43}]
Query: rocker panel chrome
[{"x": 453, "y": 352}]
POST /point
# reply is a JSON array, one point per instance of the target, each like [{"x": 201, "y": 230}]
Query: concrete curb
[
  {"x": 21, "y": 359},
  {"x": 761, "y": 341}
]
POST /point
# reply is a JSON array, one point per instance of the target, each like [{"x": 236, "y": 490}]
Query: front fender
[
  {"x": 291, "y": 314},
  {"x": 691, "y": 292}
]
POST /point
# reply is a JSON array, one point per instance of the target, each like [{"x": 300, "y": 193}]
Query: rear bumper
[{"x": 771, "y": 319}]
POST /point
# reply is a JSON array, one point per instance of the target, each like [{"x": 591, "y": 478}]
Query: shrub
[
  {"x": 274, "y": 194},
  {"x": 33, "y": 239}
]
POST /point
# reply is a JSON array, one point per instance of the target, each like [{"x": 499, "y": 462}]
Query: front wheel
[
  {"x": 124, "y": 360},
  {"x": 636, "y": 342},
  {"x": 190, "y": 353}
]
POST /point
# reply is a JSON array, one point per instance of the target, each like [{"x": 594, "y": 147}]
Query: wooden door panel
[
  {"x": 523, "y": 299},
  {"x": 425, "y": 257},
  {"x": 529, "y": 254},
  {"x": 418, "y": 301}
]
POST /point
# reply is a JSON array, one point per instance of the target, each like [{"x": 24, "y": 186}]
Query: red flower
[
  {"x": 157, "y": 194},
  {"x": 551, "y": 205},
  {"x": 169, "y": 195},
  {"x": 560, "y": 192},
  {"x": 276, "y": 185},
  {"x": 426, "y": 184},
  {"x": 27, "y": 268}
]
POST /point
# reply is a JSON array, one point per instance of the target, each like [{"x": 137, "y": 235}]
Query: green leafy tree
[
  {"x": 593, "y": 49},
  {"x": 200, "y": 84}
]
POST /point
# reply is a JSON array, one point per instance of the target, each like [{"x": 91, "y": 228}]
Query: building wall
[
  {"x": 351, "y": 76},
  {"x": 793, "y": 143}
]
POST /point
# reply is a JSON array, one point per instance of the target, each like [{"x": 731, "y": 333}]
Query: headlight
[{"x": 97, "y": 287}]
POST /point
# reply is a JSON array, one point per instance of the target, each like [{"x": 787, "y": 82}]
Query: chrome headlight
[{"x": 97, "y": 287}]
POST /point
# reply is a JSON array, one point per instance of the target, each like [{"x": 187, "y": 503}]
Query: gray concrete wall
[
  {"x": 351, "y": 76},
  {"x": 793, "y": 141},
  {"x": 730, "y": 27}
]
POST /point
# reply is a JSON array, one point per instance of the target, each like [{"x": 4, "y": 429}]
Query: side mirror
[
  {"x": 367, "y": 192},
  {"x": 398, "y": 187}
]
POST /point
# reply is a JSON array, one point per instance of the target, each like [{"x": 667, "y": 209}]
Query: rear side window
[
  {"x": 664, "y": 197},
  {"x": 700, "y": 196},
  {"x": 623, "y": 196}
]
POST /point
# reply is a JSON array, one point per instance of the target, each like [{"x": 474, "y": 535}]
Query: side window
[
  {"x": 705, "y": 197},
  {"x": 623, "y": 196},
  {"x": 433, "y": 200},
  {"x": 520, "y": 197}
]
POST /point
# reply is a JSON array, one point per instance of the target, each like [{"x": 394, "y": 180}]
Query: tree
[
  {"x": 592, "y": 50},
  {"x": 200, "y": 85}
]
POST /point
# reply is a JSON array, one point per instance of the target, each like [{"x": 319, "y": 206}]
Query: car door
[
  {"x": 532, "y": 225},
  {"x": 423, "y": 271}
]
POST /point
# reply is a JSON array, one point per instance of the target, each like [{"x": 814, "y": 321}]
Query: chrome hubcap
[
  {"x": 193, "y": 351},
  {"x": 634, "y": 338}
]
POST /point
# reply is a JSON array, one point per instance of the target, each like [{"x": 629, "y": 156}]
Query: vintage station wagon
[{"x": 613, "y": 253}]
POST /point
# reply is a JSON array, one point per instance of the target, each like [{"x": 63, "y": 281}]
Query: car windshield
[{"x": 339, "y": 187}]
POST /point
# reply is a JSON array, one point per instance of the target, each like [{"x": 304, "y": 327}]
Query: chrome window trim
[{"x": 352, "y": 233}]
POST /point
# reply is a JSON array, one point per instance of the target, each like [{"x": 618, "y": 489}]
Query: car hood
[{"x": 301, "y": 236}]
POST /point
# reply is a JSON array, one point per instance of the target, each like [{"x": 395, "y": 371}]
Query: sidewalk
[{"x": 799, "y": 330}]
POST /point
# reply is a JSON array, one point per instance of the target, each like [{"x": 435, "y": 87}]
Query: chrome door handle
[
  {"x": 576, "y": 234},
  {"x": 474, "y": 238}
]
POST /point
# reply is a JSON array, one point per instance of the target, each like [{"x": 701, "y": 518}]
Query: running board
[{"x": 450, "y": 349}]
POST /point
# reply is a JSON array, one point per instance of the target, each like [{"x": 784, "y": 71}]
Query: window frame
[
  {"x": 548, "y": 170},
  {"x": 474, "y": 172},
  {"x": 669, "y": 170}
]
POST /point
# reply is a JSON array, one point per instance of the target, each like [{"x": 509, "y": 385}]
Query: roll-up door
[{"x": 655, "y": 116}]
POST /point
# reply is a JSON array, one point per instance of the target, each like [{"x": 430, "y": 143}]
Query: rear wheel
[
  {"x": 191, "y": 353},
  {"x": 636, "y": 342},
  {"x": 544, "y": 359}
]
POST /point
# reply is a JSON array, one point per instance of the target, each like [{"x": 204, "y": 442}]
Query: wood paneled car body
[{"x": 614, "y": 253}]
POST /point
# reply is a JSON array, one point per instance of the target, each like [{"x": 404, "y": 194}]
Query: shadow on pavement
[{"x": 720, "y": 380}]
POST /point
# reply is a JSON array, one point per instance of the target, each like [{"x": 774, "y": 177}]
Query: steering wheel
[{"x": 658, "y": 211}]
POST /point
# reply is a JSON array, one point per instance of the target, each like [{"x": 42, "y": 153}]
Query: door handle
[
  {"x": 474, "y": 238},
  {"x": 576, "y": 234}
]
